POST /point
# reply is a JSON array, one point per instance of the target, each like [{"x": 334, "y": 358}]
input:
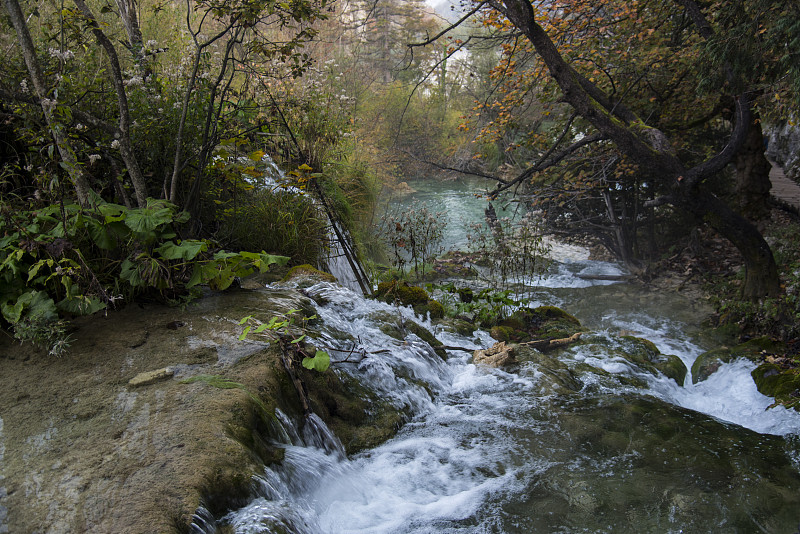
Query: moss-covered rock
[
  {"x": 432, "y": 307},
  {"x": 645, "y": 355},
  {"x": 308, "y": 271},
  {"x": 780, "y": 383},
  {"x": 504, "y": 333},
  {"x": 359, "y": 418},
  {"x": 544, "y": 322},
  {"x": 709, "y": 362},
  {"x": 402, "y": 292}
]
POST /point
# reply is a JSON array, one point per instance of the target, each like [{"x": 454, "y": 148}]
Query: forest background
[{"x": 136, "y": 138}]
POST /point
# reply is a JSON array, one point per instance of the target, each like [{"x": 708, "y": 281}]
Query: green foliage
[
  {"x": 487, "y": 307},
  {"x": 284, "y": 327},
  {"x": 281, "y": 222},
  {"x": 63, "y": 260}
]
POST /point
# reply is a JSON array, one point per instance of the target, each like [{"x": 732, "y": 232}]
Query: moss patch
[
  {"x": 397, "y": 291},
  {"x": 709, "y": 362},
  {"x": 530, "y": 324},
  {"x": 780, "y": 383}
]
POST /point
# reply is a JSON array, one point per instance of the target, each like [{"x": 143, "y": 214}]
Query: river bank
[
  {"x": 84, "y": 448},
  {"x": 109, "y": 438}
]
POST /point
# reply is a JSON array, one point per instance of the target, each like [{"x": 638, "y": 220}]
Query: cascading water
[
  {"x": 494, "y": 451},
  {"x": 339, "y": 259},
  {"x": 580, "y": 441}
]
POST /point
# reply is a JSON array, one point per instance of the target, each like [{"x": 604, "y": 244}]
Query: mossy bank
[{"x": 112, "y": 437}]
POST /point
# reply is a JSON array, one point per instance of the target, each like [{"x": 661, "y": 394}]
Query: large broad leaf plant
[{"x": 63, "y": 261}]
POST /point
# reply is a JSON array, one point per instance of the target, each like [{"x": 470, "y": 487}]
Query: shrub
[{"x": 279, "y": 222}]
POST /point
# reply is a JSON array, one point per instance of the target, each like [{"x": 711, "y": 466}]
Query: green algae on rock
[
  {"x": 306, "y": 273},
  {"x": 710, "y": 361},
  {"x": 779, "y": 382}
]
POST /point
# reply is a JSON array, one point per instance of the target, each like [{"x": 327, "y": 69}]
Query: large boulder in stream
[
  {"x": 709, "y": 362},
  {"x": 529, "y": 324},
  {"x": 399, "y": 292}
]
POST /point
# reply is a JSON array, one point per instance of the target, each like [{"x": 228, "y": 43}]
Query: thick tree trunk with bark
[
  {"x": 752, "y": 175},
  {"x": 761, "y": 273}
]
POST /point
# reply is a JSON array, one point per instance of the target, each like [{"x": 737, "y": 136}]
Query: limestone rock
[
  {"x": 149, "y": 377},
  {"x": 498, "y": 355}
]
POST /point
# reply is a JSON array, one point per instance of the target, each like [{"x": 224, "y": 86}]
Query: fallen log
[{"x": 549, "y": 344}]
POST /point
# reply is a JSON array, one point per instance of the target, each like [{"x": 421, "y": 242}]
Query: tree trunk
[
  {"x": 125, "y": 147},
  {"x": 130, "y": 19},
  {"x": 761, "y": 273},
  {"x": 68, "y": 159},
  {"x": 752, "y": 175}
]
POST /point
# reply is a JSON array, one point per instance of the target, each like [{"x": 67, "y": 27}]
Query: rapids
[
  {"x": 495, "y": 451},
  {"x": 601, "y": 447}
]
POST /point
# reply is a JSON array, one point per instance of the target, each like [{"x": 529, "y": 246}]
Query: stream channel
[{"x": 580, "y": 440}]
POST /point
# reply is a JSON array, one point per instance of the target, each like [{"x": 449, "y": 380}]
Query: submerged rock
[
  {"x": 556, "y": 377},
  {"x": 393, "y": 325}
]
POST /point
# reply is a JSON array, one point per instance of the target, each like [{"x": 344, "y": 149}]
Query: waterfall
[
  {"x": 341, "y": 261},
  {"x": 340, "y": 258}
]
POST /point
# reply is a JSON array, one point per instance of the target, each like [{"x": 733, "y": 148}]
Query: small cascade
[
  {"x": 340, "y": 259},
  {"x": 490, "y": 450}
]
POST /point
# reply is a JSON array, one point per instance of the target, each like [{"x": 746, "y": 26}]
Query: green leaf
[
  {"x": 320, "y": 362},
  {"x": 299, "y": 339},
  {"x": 261, "y": 328},
  {"x": 130, "y": 273},
  {"x": 100, "y": 235},
  {"x": 197, "y": 276},
  {"x": 244, "y": 320},
  {"x": 36, "y": 305},
  {"x": 38, "y": 265},
  {"x": 144, "y": 220},
  {"x": 81, "y": 305},
  {"x": 112, "y": 212},
  {"x": 244, "y": 333},
  {"x": 187, "y": 250},
  {"x": 183, "y": 217}
]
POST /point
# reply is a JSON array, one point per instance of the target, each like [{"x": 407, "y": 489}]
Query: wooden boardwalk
[{"x": 784, "y": 188}]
